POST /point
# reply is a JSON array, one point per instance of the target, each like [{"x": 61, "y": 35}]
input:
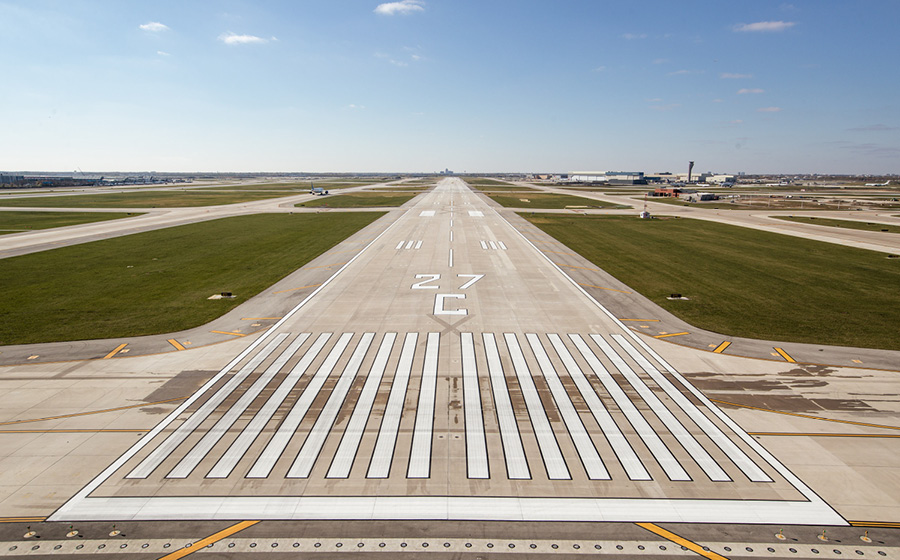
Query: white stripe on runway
[
  {"x": 235, "y": 453},
  {"x": 418, "y": 244},
  {"x": 158, "y": 455},
  {"x": 346, "y": 451},
  {"x": 214, "y": 434},
  {"x": 649, "y": 436},
  {"x": 380, "y": 467},
  {"x": 743, "y": 462},
  {"x": 266, "y": 461},
  {"x": 513, "y": 452},
  {"x": 493, "y": 245},
  {"x": 543, "y": 432},
  {"x": 409, "y": 244},
  {"x": 399, "y": 245},
  {"x": 311, "y": 448},
  {"x": 502, "y": 246},
  {"x": 483, "y": 245},
  {"x": 420, "y": 454},
  {"x": 451, "y": 236},
  {"x": 623, "y": 450},
  {"x": 694, "y": 449},
  {"x": 476, "y": 446},
  {"x": 593, "y": 465}
]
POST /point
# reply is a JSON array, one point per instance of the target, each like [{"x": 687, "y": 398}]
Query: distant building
[
  {"x": 11, "y": 179},
  {"x": 608, "y": 177}
]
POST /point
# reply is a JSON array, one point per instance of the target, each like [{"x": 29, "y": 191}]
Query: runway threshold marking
[
  {"x": 214, "y": 538},
  {"x": 13, "y": 422},
  {"x": 666, "y": 335},
  {"x": 601, "y": 287},
  {"x": 227, "y": 332},
  {"x": 721, "y": 348},
  {"x": 785, "y": 355},
  {"x": 115, "y": 351},
  {"x": 175, "y": 343},
  {"x": 808, "y": 416},
  {"x": 690, "y": 545},
  {"x": 295, "y": 289}
]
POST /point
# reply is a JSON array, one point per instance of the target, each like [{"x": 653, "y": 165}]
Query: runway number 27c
[{"x": 427, "y": 282}]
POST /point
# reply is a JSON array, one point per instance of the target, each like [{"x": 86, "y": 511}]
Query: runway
[{"x": 449, "y": 371}]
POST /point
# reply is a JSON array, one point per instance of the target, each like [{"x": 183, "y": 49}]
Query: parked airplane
[{"x": 886, "y": 183}]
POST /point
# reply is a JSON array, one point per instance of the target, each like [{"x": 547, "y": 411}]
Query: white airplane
[{"x": 886, "y": 183}]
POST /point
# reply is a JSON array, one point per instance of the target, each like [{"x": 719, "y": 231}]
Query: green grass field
[
  {"x": 13, "y": 221},
  {"x": 745, "y": 282},
  {"x": 848, "y": 224},
  {"x": 549, "y": 201},
  {"x": 158, "y": 281},
  {"x": 482, "y": 182},
  {"x": 146, "y": 199},
  {"x": 358, "y": 200}
]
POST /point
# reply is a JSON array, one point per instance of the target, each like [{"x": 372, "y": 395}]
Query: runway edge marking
[{"x": 83, "y": 494}]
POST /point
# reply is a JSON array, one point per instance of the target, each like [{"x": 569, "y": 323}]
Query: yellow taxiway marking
[
  {"x": 666, "y": 335},
  {"x": 822, "y": 434},
  {"x": 12, "y": 422},
  {"x": 260, "y": 318},
  {"x": 21, "y": 519},
  {"x": 175, "y": 343},
  {"x": 115, "y": 351},
  {"x": 231, "y": 333},
  {"x": 203, "y": 543},
  {"x": 886, "y": 524},
  {"x": 721, "y": 348},
  {"x": 808, "y": 416},
  {"x": 73, "y": 431},
  {"x": 578, "y": 267},
  {"x": 856, "y": 361},
  {"x": 642, "y": 320},
  {"x": 690, "y": 545},
  {"x": 600, "y": 287},
  {"x": 295, "y": 289},
  {"x": 785, "y": 355}
]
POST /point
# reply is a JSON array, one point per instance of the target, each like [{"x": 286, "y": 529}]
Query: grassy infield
[
  {"x": 15, "y": 222},
  {"x": 741, "y": 281},
  {"x": 745, "y": 282}
]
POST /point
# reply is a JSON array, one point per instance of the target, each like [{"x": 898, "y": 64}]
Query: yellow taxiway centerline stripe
[
  {"x": 114, "y": 352},
  {"x": 785, "y": 355},
  {"x": 821, "y": 434},
  {"x": 690, "y": 545},
  {"x": 73, "y": 431},
  {"x": 231, "y": 333},
  {"x": 808, "y": 416},
  {"x": 203, "y": 543},
  {"x": 260, "y": 318},
  {"x": 884, "y": 524},
  {"x": 21, "y": 519},
  {"x": 601, "y": 287},
  {"x": 578, "y": 267},
  {"x": 175, "y": 343},
  {"x": 12, "y": 422},
  {"x": 295, "y": 289},
  {"x": 671, "y": 334},
  {"x": 721, "y": 348},
  {"x": 642, "y": 320}
]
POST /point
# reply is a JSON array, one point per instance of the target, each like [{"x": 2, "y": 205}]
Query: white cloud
[
  {"x": 742, "y": 91},
  {"x": 736, "y": 121},
  {"x": 730, "y": 76},
  {"x": 717, "y": 101},
  {"x": 874, "y": 128},
  {"x": 154, "y": 27},
  {"x": 354, "y": 106},
  {"x": 668, "y": 107},
  {"x": 631, "y": 36},
  {"x": 684, "y": 72},
  {"x": 235, "y": 39},
  {"x": 163, "y": 53},
  {"x": 599, "y": 69},
  {"x": 769, "y": 110},
  {"x": 403, "y": 7},
  {"x": 765, "y": 26},
  {"x": 416, "y": 57}
]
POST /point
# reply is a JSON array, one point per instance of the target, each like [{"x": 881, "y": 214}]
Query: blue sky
[{"x": 476, "y": 86}]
